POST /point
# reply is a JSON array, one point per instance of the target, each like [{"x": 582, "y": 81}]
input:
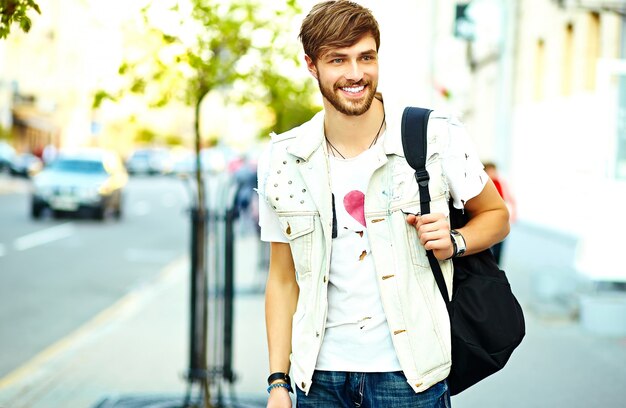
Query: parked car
[
  {"x": 25, "y": 165},
  {"x": 152, "y": 160},
  {"x": 7, "y": 153},
  {"x": 91, "y": 180}
]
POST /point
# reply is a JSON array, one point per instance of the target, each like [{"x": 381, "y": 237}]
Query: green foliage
[
  {"x": 145, "y": 136},
  {"x": 173, "y": 140},
  {"x": 236, "y": 47},
  {"x": 99, "y": 97},
  {"x": 15, "y": 11}
]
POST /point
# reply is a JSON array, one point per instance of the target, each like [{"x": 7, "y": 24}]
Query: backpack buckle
[{"x": 422, "y": 178}]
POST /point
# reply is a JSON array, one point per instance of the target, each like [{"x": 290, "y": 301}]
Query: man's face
[{"x": 348, "y": 77}]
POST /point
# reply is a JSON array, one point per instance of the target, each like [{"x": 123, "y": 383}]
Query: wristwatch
[{"x": 458, "y": 242}]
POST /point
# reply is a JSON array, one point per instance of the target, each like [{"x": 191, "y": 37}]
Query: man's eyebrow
[
  {"x": 337, "y": 54},
  {"x": 369, "y": 52}
]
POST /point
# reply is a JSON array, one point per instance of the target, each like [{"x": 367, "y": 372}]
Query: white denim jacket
[{"x": 297, "y": 187}]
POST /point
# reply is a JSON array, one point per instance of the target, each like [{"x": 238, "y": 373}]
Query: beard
[{"x": 344, "y": 105}]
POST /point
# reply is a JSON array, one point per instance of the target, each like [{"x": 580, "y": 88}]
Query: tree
[
  {"x": 15, "y": 11},
  {"x": 236, "y": 47}
]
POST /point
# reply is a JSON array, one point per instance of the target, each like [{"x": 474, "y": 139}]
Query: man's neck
[{"x": 353, "y": 134}]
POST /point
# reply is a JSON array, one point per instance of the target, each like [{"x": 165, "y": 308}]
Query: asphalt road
[{"x": 56, "y": 274}]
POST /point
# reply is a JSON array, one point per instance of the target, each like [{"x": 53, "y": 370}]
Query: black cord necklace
[{"x": 334, "y": 150}]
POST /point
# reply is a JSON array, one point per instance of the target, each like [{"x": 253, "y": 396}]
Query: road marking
[
  {"x": 44, "y": 236},
  {"x": 3, "y": 250},
  {"x": 122, "y": 310}
]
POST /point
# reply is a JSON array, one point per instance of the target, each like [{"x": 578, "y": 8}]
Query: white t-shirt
[{"x": 357, "y": 337}]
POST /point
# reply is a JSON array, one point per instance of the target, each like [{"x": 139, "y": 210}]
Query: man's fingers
[
  {"x": 435, "y": 240},
  {"x": 411, "y": 219}
]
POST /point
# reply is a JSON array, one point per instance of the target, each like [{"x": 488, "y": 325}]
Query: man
[{"x": 352, "y": 308}]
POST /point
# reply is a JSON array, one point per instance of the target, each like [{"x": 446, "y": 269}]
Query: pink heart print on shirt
[{"x": 354, "y": 203}]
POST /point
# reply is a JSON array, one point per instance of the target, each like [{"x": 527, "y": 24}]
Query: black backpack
[{"x": 486, "y": 320}]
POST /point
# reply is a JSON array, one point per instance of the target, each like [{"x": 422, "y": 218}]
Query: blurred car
[
  {"x": 212, "y": 160},
  {"x": 25, "y": 165},
  {"x": 7, "y": 153},
  {"x": 91, "y": 180},
  {"x": 152, "y": 160}
]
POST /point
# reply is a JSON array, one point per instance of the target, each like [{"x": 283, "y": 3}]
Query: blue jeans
[{"x": 342, "y": 389}]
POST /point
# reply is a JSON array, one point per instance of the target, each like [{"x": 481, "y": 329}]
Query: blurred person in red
[{"x": 492, "y": 171}]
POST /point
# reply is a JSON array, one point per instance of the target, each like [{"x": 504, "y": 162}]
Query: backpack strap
[
  {"x": 414, "y": 144},
  {"x": 414, "y": 128}
]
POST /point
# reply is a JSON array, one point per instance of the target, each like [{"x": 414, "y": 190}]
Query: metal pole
[{"x": 229, "y": 293}]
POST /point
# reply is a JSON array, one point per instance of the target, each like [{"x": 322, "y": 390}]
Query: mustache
[{"x": 353, "y": 83}]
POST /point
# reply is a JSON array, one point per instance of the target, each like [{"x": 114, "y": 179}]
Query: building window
[
  {"x": 568, "y": 60},
  {"x": 540, "y": 62}
]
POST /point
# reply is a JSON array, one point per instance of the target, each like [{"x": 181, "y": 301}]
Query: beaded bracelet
[{"x": 279, "y": 385}]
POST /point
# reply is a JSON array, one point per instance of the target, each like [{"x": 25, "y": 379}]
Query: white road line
[
  {"x": 3, "y": 250},
  {"x": 44, "y": 236}
]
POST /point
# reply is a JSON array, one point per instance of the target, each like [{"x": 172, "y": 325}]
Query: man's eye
[{"x": 337, "y": 61}]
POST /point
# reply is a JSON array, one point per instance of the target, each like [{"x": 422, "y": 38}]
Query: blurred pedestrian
[
  {"x": 349, "y": 307},
  {"x": 492, "y": 171},
  {"x": 49, "y": 154}
]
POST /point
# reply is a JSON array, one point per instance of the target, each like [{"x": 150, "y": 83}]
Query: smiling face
[{"x": 348, "y": 77}]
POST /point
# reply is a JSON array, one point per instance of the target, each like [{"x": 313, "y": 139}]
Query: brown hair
[{"x": 336, "y": 24}]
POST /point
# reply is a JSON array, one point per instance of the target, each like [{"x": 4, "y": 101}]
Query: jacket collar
[
  {"x": 392, "y": 144},
  {"x": 309, "y": 137}
]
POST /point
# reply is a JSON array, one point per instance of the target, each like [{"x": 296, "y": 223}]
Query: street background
[
  {"x": 95, "y": 312},
  {"x": 138, "y": 346}
]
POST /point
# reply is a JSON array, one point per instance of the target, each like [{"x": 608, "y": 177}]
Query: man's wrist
[{"x": 279, "y": 380}]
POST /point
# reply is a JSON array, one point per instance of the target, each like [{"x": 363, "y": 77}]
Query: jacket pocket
[
  {"x": 299, "y": 231},
  {"x": 416, "y": 249}
]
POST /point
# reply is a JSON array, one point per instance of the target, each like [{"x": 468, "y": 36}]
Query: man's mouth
[{"x": 354, "y": 89}]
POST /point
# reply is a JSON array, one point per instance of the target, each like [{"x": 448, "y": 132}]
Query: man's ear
[{"x": 311, "y": 66}]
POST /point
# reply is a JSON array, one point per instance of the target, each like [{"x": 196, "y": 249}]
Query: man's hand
[
  {"x": 279, "y": 398},
  {"x": 433, "y": 231}
]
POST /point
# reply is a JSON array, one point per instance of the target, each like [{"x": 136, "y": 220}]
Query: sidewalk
[{"x": 139, "y": 347}]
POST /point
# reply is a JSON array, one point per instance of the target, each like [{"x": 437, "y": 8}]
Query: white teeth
[{"x": 355, "y": 89}]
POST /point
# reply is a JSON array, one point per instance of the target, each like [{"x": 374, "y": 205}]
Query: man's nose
[{"x": 354, "y": 72}]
